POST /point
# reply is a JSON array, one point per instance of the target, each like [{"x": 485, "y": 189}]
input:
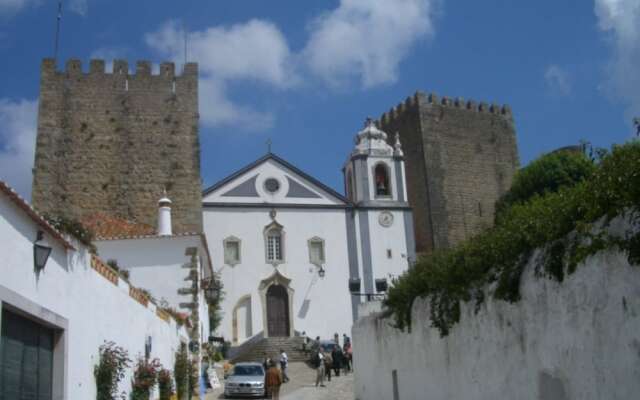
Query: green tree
[{"x": 547, "y": 174}]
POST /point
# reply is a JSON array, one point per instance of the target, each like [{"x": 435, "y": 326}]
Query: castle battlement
[
  {"x": 73, "y": 68},
  {"x": 432, "y": 98}
]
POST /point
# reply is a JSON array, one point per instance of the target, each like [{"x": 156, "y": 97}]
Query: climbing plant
[
  {"x": 145, "y": 376},
  {"x": 165, "y": 384},
  {"x": 568, "y": 225},
  {"x": 181, "y": 371},
  {"x": 109, "y": 371}
]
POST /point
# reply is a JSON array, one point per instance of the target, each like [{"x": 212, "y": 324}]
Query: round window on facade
[{"x": 272, "y": 185}]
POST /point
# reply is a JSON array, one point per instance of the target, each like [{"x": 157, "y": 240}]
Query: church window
[
  {"x": 232, "y": 251},
  {"x": 274, "y": 245},
  {"x": 382, "y": 186},
  {"x": 316, "y": 251},
  {"x": 272, "y": 185}
]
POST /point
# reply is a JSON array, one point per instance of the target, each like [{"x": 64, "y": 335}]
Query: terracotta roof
[
  {"x": 106, "y": 226},
  {"x": 33, "y": 214}
]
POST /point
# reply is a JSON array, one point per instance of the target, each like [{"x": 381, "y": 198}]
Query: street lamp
[
  {"x": 211, "y": 289},
  {"x": 41, "y": 252}
]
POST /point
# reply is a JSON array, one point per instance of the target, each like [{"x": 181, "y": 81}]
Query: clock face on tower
[{"x": 385, "y": 219}]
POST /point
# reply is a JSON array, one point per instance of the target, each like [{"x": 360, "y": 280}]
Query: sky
[{"x": 306, "y": 74}]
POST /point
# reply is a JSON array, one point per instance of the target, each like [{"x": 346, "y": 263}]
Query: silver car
[{"x": 246, "y": 380}]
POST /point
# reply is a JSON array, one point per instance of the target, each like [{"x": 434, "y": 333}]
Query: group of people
[
  {"x": 331, "y": 357},
  {"x": 275, "y": 376}
]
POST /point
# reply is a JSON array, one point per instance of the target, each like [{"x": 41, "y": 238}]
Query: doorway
[
  {"x": 26, "y": 359},
  {"x": 277, "y": 311}
]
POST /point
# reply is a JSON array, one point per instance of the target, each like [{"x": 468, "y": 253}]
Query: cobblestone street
[{"x": 302, "y": 386}]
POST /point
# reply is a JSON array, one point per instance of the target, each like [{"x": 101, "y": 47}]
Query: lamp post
[{"x": 41, "y": 252}]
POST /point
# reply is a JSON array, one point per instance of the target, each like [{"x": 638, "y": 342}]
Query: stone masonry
[
  {"x": 111, "y": 142},
  {"x": 460, "y": 157}
]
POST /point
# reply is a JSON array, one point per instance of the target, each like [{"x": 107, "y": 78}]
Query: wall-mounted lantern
[
  {"x": 381, "y": 285},
  {"x": 211, "y": 289},
  {"x": 354, "y": 285},
  {"x": 321, "y": 272},
  {"x": 41, "y": 252}
]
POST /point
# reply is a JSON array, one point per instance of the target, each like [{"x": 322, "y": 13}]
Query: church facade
[{"x": 287, "y": 246}]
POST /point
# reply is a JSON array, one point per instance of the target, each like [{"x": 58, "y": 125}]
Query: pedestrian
[
  {"x": 345, "y": 339},
  {"x": 266, "y": 361},
  {"x": 328, "y": 364},
  {"x": 319, "y": 364},
  {"x": 273, "y": 381},
  {"x": 336, "y": 354},
  {"x": 346, "y": 361},
  {"x": 284, "y": 363},
  {"x": 336, "y": 338},
  {"x": 349, "y": 354}
]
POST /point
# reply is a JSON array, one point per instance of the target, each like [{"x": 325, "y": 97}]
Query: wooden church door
[{"x": 277, "y": 311}]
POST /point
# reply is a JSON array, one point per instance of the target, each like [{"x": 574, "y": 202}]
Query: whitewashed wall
[
  {"x": 155, "y": 263},
  {"x": 579, "y": 339},
  {"x": 96, "y": 310},
  {"x": 326, "y": 300}
]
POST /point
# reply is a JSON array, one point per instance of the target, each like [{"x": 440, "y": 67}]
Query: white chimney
[{"x": 164, "y": 216}]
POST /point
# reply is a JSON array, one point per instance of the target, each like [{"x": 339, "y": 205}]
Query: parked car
[{"x": 246, "y": 379}]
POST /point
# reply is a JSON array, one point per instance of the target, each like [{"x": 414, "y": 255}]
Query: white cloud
[
  {"x": 558, "y": 80},
  {"x": 367, "y": 39},
  {"x": 18, "y": 120},
  {"x": 80, "y": 7},
  {"x": 620, "y": 19},
  {"x": 10, "y": 7},
  {"x": 254, "y": 51}
]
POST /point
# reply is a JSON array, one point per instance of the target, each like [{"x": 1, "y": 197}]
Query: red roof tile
[{"x": 107, "y": 226}]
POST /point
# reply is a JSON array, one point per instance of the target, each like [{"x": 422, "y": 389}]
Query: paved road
[{"x": 302, "y": 386}]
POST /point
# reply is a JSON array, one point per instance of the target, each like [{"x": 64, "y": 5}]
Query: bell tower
[
  {"x": 382, "y": 220},
  {"x": 374, "y": 173}
]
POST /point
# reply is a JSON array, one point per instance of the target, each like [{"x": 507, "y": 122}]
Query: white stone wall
[
  {"x": 155, "y": 264},
  {"x": 579, "y": 339},
  {"x": 95, "y": 309},
  {"x": 320, "y": 306}
]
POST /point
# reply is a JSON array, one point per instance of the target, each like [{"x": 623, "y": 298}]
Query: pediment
[{"x": 272, "y": 180}]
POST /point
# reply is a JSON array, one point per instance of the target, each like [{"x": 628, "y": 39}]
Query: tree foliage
[
  {"x": 546, "y": 174},
  {"x": 568, "y": 224}
]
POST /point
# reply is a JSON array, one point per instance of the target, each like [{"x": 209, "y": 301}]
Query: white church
[{"x": 287, "y": 246}]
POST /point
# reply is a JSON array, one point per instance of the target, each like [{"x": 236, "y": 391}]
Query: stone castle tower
[
  {"x": 112, "y": 142},
  {"x": 460, "y": 158}
]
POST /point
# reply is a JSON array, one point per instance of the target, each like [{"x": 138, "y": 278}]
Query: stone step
[{"x": 271, "y": 346}]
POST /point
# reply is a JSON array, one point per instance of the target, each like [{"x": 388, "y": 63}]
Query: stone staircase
[{"x": 291, "y": 345}]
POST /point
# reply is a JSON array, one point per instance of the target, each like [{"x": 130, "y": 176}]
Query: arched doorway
[{"x": 277, "y": 311}]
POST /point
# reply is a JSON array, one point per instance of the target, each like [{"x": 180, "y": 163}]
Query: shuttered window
[{"x": 26, "y": 359}]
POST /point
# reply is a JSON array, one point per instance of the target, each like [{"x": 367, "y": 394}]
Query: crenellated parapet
[
  {"x": 432, "y": 99},
  {"x": 121, "y": 77}
]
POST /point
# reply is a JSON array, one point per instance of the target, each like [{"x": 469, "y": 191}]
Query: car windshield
[{"x": 247, "y": 370}]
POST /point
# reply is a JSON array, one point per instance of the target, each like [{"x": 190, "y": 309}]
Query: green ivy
[{"x": 567, "y": 224}]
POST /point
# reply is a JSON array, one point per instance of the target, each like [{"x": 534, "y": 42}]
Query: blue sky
[{"x": 306, "y": 73}]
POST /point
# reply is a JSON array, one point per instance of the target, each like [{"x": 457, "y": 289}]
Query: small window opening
[
  {"x": 382, "y": 180},
  {"x": 389, "y": 254}
]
